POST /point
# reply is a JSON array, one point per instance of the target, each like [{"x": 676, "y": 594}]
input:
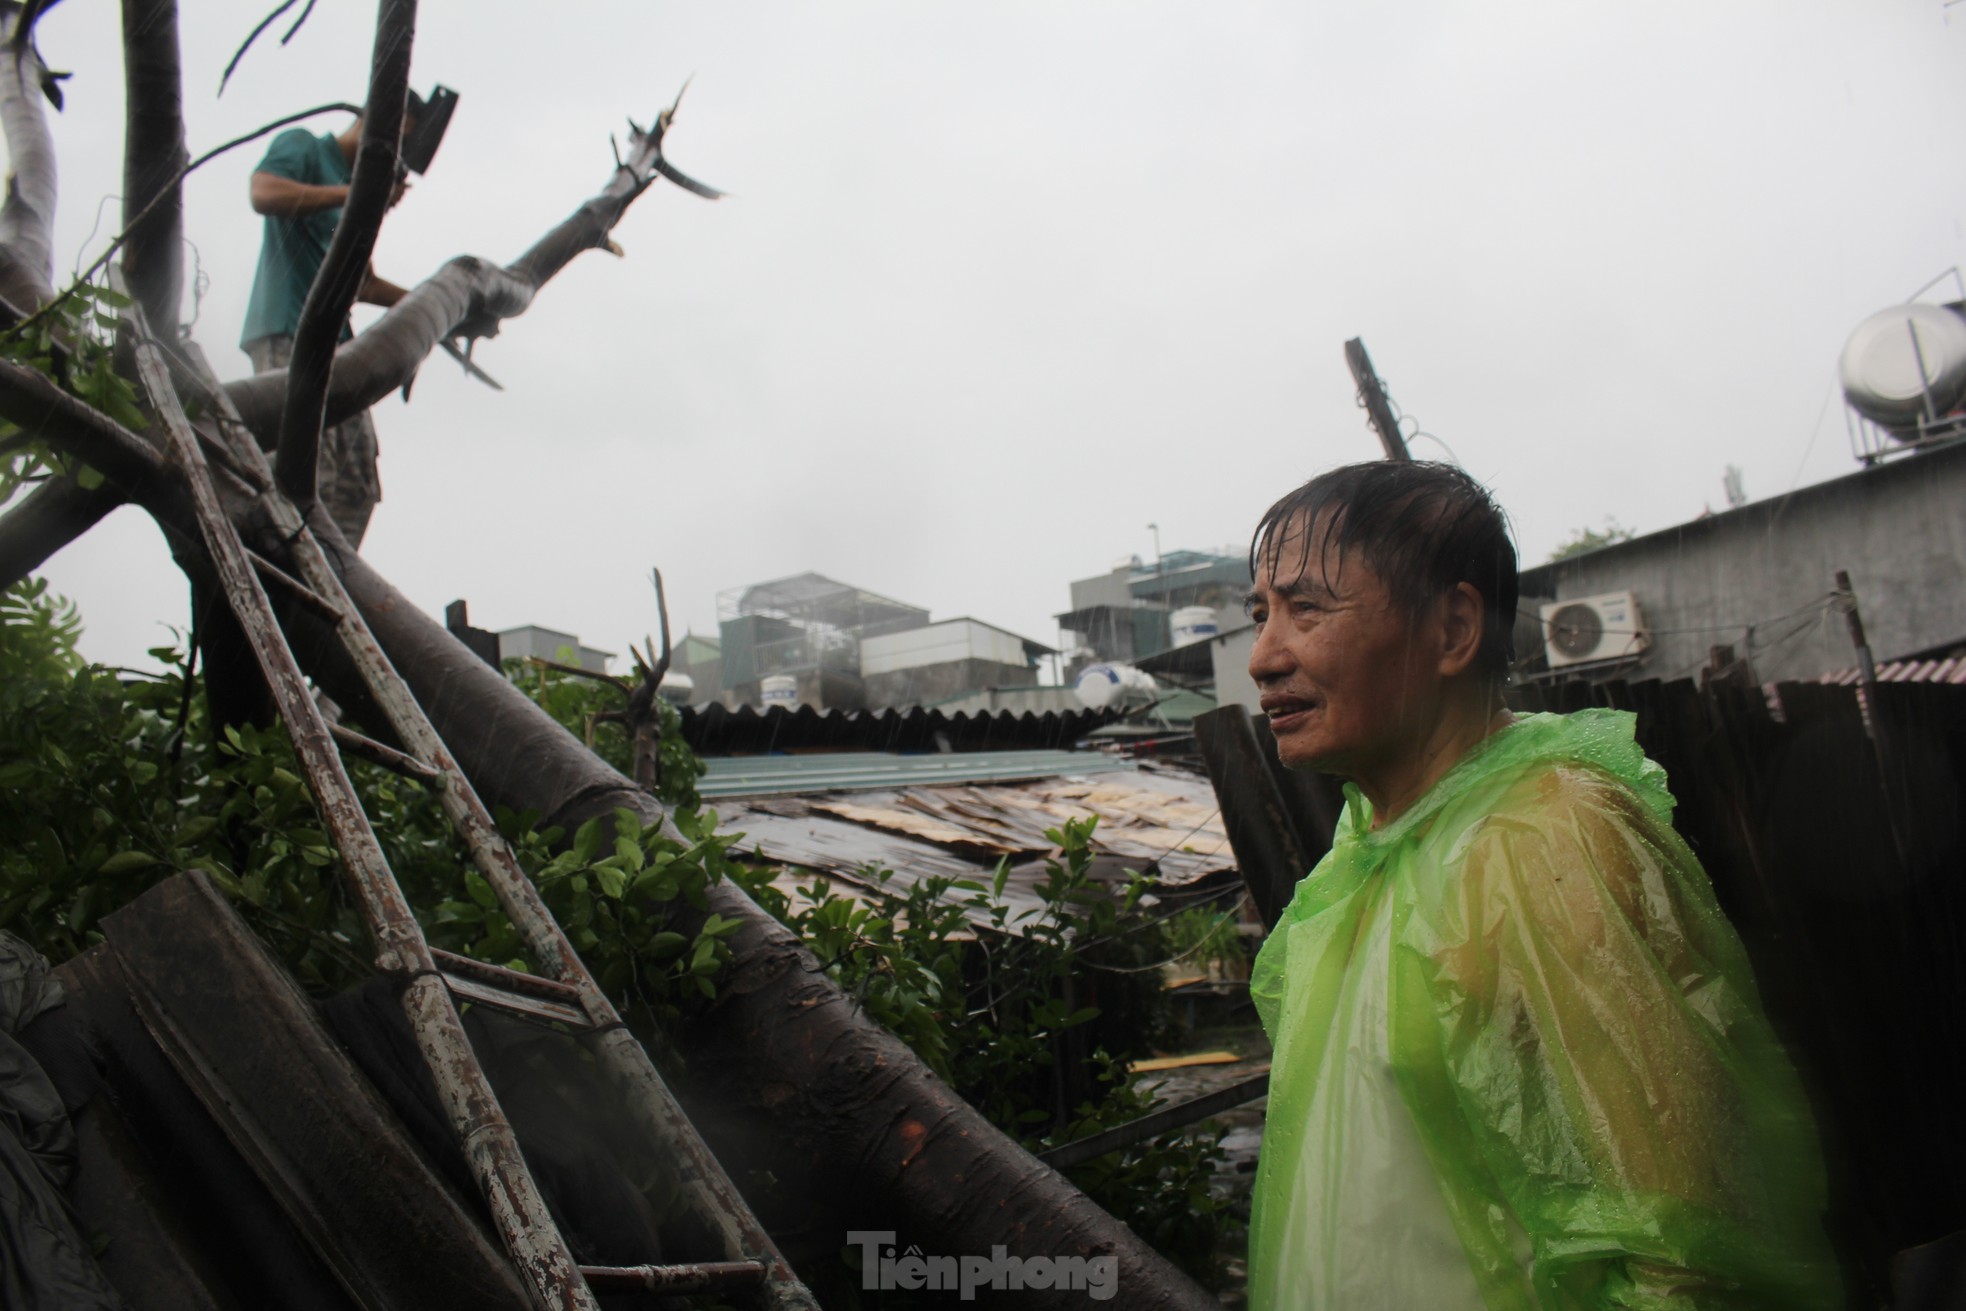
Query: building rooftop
[
  {"x": 811, "y": 598},
  {"x": 713, "y": 730}
]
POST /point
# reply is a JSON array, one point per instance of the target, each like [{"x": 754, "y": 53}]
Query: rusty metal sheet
[
  {"x": 916, "y": 824},
  {"x": 1161, "y": 821},
  {"x": 846, "y": 850}
]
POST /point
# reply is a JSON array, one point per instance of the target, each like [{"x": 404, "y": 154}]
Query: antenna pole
[{"x": 1372, "y": 395}]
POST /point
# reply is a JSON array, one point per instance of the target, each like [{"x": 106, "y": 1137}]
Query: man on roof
[
  {"x": 300, "y": 187},
  {"x": 1520, "y": 1061}
]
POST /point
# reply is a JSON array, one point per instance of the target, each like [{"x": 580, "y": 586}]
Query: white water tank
[
  {"x": 1900, "y": 357},
  {"x": 676, "y": 688},
  {"x": 780, "y": 690},
  {"x": 1119, "y": 687},
  {"x": 1193, "y": 623}
]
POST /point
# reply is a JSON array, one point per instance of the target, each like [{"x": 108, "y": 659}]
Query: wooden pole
[
  {"x": 1268, "y": 851},
  {"x": 1372, "y": 395},
  {"x": 1873, "y": 713}
]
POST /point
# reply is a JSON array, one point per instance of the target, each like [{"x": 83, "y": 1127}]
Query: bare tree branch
[
  {"x": 347, "y": 264},
  {"x": 468, "y": 293},
  {"x": 154, "y": 160},
  {"x": 27, "y": 214},
  {"x": 232, "y": 64},
  {"x": 467, "y": 297},
  {"x": 32, "y": 400}
]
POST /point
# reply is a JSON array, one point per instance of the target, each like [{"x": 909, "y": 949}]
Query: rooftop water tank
[
  {"x": 1104, "y": 686},
  {"x": 780, "y": 690},
  {"x": 1193, "y": 623},
  {"x": 676, "y": 688},
  {"x": 1899, "y": 358}
]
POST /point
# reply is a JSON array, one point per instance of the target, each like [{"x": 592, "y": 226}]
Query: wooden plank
[{"x": 1268, "y": 852}]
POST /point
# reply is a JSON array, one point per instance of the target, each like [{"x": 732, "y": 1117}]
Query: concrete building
[
  {"x": 1123, "y": 615},
  {"x": 702, "y": 660},
  {"x": 845, "y": 648},
  {"x": 806, "y": 627},
  {"x": 927, "y": 665},
  {"x": 533, "y": 642},
  {"x": 1757, "y": 579}
]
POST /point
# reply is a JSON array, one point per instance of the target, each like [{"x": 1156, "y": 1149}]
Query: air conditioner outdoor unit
[{"x": 1593, "y": 628}]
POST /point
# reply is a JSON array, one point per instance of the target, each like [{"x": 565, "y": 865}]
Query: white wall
[
  {"x": 1230, "y": 652},
  {"x": 937, "y": 644}
]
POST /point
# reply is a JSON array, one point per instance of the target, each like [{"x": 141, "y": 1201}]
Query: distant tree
[{"x": 1589, "y": 539}]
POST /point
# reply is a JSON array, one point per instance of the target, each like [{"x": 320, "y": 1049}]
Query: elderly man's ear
[{"x": 1461, "y": 612}]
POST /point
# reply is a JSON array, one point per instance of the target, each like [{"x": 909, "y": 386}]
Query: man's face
[{"x": 1349, "y": 681}]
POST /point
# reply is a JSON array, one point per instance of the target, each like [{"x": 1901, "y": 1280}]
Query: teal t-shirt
[{"x": 291, "y": 252}]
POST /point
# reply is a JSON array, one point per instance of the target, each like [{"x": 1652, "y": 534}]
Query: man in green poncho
[{"x": 1520, "y": 1059}]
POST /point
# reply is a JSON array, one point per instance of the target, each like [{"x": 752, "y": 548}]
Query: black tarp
[{"x": 44, "y": 1262}]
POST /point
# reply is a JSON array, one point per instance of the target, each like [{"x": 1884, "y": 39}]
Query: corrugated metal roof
[
  {"x": 755, "y": 776},
  {"x": 713, "y": 730},
  {"x": 1907, "y": 671}
]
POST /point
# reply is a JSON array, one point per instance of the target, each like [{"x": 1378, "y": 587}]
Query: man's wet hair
[{"x": 1423, "y": 527}]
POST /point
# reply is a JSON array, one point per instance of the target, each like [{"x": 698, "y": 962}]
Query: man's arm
[
  {"x": 1615, "y": 1071},
  {"x": 379, "y": 291},
  {"x": 281, "y": 197}
]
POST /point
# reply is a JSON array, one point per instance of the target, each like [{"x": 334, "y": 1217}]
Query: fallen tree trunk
[{"x": 785, "y": 1068}]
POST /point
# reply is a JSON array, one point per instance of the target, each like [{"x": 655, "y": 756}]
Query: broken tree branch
[
  {"x": 467, "y": 297},
  {"x": 347, "y": 264},
  {"x": 58, "y": 512},
  {"x": 644, "y": 713},
  {"x": 154, "y": 160},
  {"x": 32, "y": 400}
]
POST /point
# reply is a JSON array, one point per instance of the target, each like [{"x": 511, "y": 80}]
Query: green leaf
[
  {"x": 587, "y": 841},
  {"x": 126, "y": 862},
  {"x": 612, "y": 880}
]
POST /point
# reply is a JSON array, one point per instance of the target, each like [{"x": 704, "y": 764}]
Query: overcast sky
[{"x": 1000, "y": 284}]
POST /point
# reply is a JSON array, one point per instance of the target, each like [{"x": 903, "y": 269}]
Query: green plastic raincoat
[{"x": 1520, "y": 1061}]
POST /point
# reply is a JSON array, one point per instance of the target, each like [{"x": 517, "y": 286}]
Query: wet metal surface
[{"x": 1159, "y": 820}]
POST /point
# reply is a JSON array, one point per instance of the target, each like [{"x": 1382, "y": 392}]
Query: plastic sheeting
[
  {"x": 44, "y": 1264},
  {"x": 1574, "y": 1033}
]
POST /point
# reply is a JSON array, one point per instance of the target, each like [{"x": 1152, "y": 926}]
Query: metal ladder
[{"x": 563, "y": 992}]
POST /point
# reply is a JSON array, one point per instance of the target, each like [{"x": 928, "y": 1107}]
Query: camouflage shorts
[{"x": 346, "y": 477}]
